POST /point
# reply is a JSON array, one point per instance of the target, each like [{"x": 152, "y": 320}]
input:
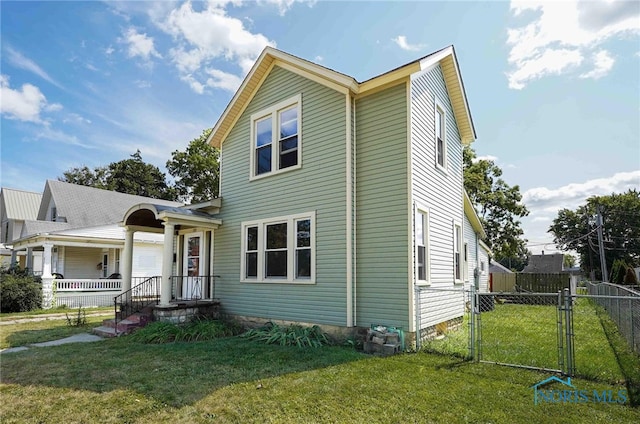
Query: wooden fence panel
[
  {"x": 542, "y": 283},
  {"x": 503, "y": 282}
]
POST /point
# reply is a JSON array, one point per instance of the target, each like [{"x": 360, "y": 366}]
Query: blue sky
[{"x": 553, "y": 87}]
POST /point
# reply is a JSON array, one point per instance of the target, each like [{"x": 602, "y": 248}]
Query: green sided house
[{"x": 341, "y": 202}]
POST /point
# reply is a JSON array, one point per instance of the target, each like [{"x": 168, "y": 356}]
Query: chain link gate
[{"x": 526, "y": 330}]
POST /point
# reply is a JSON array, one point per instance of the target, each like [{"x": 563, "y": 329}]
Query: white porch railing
[{"x": 87, "y": 284}]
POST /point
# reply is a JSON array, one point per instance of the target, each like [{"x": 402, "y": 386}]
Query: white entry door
[{"x": 193, "y": 269}]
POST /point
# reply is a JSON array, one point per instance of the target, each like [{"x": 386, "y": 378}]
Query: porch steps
[{"x": 109, "y": 328}]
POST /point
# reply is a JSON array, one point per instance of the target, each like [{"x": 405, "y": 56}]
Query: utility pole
[{"x": 603, "y": 262}]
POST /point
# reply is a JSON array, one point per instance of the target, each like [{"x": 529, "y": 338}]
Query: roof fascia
[
  {"x": 388, "y": 79},
  {"x": 472, "y": 215},
  {"x": 272, "y": 57}
]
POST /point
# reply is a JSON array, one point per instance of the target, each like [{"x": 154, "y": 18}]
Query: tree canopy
[
  {"x": 196, "y": 170},
  {"x": 499, "y": 208},
  {"x": 577, "y": 230},
  {"x": 131, "y": 176}
]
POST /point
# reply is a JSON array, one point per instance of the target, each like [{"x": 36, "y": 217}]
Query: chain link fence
[
  {"x": 559, "y": 332},
  {"x": 623, "y": 306}
]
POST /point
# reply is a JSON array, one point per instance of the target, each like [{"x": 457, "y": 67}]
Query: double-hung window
[
  {"x": 279, "y": 250},
  {"x": 441, "y": 144},
  {"x": 276, "y": 138},
  {"x": 457, "y": 253},
  {"x": 422, "y": 252}
]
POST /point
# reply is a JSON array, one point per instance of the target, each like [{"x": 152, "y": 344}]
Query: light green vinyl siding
[
  {"x": 382, "y": 209},
  {"x": 318, "y": 186}
]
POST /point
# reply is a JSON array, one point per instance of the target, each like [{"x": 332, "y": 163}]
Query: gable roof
[
  {"x": 270, "y": 57},
  {"x": 545, "y": 263},
  {"x": 19, "y": 204},
  {"x": 472, "y": 216},
  {"x": 84, "y": 206}
]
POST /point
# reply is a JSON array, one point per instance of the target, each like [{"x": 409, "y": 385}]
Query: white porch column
[
  {"x": 47, "y": 278},
  {"x": 29, "y": 260},
  {"x": 127, "y": 259},
  {"x": 167, "y": 264},
  {"x": 14, "y": 258}
]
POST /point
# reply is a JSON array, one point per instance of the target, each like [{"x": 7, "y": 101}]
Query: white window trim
[
  {"x": 273, "y": 112},
  {"x": 465, "y": 261},
  {"x": 291, "y": 249},
  {"x": 427, "y": 255},
  {"x": 457, "y": 227},
  {"x": 439, "y": 107}
]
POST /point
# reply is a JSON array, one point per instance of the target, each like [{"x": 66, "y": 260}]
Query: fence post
[
  {"x": 568, "y": 311},
  {"x": 559, "y": 311},
  {"x": 472, "y": 319}
]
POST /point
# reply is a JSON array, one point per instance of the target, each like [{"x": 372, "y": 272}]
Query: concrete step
[{"x": 103, "y": 331}]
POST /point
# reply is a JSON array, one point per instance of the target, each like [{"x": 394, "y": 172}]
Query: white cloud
[
  {"x": 109, "y": 51},
  {"x": 402, "y": 42},
  {"x": 140, "y": 45},
  {"x": 557, "y": 35},
  {"x": 223, "y": 80},
  {"x": 544, "y": 203},
  {"x": 318, "y": 59},
  {"x": 603, "y": 64},
  {"x": 284, "y": 5},
  {"x": 24, "y": 104},
  {"x": 210, "y": 35},
  {"x": 18, "y": 60}
]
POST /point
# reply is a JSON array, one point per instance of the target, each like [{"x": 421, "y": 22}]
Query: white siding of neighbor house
[
  {"x": 483, "y": 256},
  {"x": 440, "y": 192},
  {"x": 477, "y": 255},
  {"x": 81, "y": 262}
]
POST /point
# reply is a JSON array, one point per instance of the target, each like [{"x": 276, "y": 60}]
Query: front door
[{"x": 193, "y": 269}]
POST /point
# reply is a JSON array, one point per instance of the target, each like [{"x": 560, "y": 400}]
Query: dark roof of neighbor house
[
  {"x": 498, "y": 268},
  {"x": 82, "y": 206},
  {"x": 19, "y": 204},
  {"x": 545, "y": 263},
  {"x": 39, "y": 227}
]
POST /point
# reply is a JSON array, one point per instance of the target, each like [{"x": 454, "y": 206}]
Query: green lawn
[
  {"x": 238, "y": 380},
  {"x": 26, "y": 333}
]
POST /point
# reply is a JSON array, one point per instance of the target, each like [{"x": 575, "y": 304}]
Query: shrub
[
  {"x": 293, "y": 335},
  {"x": 19, "y": 291},
  {"x": 197, "y": 330}
]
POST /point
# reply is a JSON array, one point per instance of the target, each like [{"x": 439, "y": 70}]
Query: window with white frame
[
  {"x": 422, "y": 249},
  {"x": 457, "y": 252},
  {"x": 465, "y": 262},
  {"x": 276, "y": 138},
  {"x": 279, "y": 249},
  {"x": 441, "y": 145}
]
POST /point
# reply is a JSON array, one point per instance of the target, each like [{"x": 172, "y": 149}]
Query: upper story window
[
  {"x": 279, "y": 250},
  {"x": 54, "y": 214},
  {"x": 441, "y": 144},
  {"x": 422, "y": 246},
  {"x": 276, "y": 142}
]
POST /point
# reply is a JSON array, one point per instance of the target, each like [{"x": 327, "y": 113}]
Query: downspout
[
  {"x": 353, "y": 218},
  {"x": 349, "y": 213}
]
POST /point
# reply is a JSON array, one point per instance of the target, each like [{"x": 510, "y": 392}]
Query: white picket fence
[{"x": 87, "y": 284}]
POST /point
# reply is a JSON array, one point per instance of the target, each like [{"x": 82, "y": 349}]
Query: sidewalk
[{"x": 77, "y": 338}]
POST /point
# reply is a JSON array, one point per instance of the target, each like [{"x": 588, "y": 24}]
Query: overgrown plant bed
[
  {"x": 292, "y": 335},
  {"x": 199, "y": 329}
]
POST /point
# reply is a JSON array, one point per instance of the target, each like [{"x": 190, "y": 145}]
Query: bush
[
  {"x": 19, "y": 292},
  {"x": 630, "y": 278},
  {"x": 293, "y": 335},
  {"x": 196, "y": 330}
]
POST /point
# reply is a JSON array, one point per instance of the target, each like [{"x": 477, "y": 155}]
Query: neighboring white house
[
  {"x": 79, "y": 227},
  {"x": 16, "y": 207}
]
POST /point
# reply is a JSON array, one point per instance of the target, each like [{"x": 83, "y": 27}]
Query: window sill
[
  {"x": 442, "y": 169},
  {"x": 423, "y": 283},
  {"x": 273, "y": 173},
  {"x": 279, "y": 281}
]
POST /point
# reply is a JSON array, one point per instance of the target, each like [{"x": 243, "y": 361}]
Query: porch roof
[{"x": 151, "y": 217}]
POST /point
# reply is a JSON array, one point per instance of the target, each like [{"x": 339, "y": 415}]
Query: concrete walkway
[{"x": 77, "y": 338}]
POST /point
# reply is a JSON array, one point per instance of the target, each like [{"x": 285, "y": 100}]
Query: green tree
[
  {"x": 577, "y": 230},
  {"x": 84, "y": 176},
  {"x": 568, "y": 261},
  {"x": 130, "y": 176},
  {"x": 134, "y": 176},
  {"x": 499, "y": 207},
  {"x": 196, "y": 170}
]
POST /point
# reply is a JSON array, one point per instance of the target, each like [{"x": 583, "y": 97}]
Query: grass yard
[
  {"x": 240, "y": 381},
  {"x": 26, "y": 333}
]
